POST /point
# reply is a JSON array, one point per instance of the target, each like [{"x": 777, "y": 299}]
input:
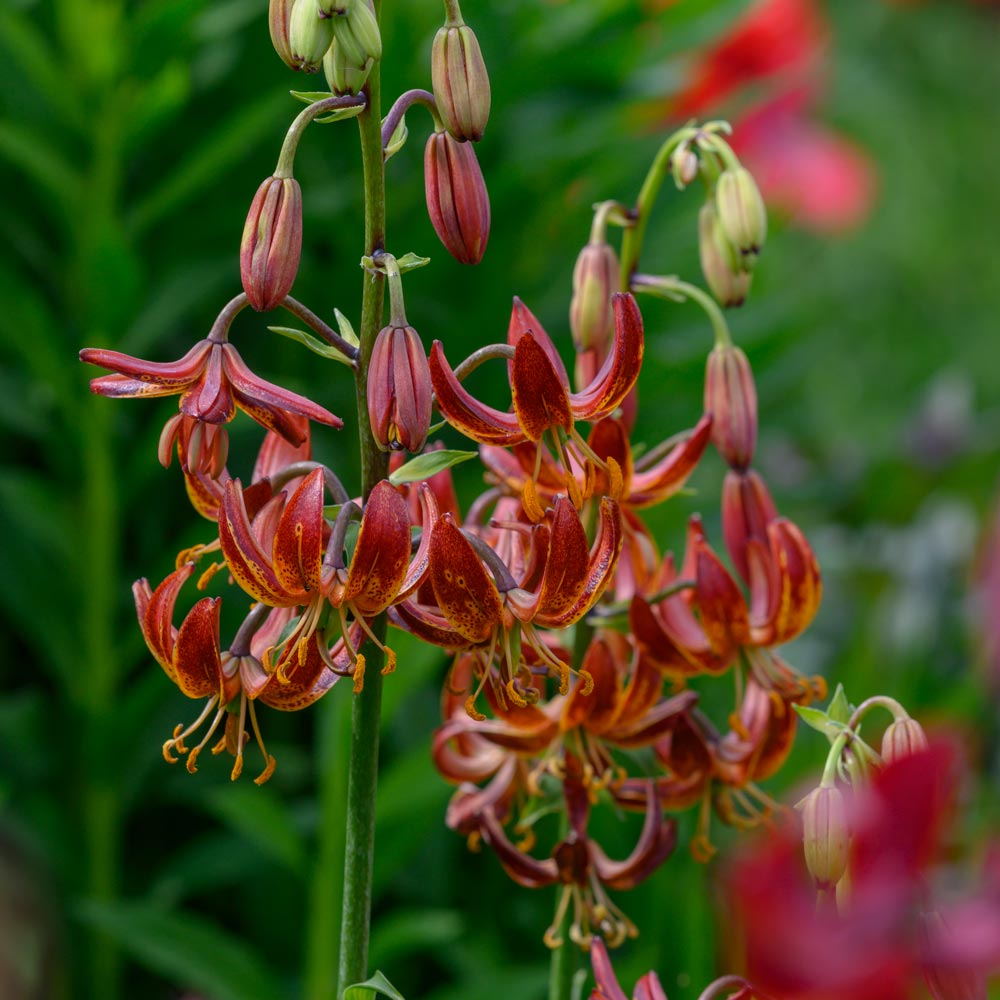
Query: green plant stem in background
[
  {"x": 363, "y": 773},
  {"x": 562, "y": 965}
]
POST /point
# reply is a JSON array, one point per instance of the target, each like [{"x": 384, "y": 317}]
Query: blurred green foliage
[{"x": 132, "y": 137}]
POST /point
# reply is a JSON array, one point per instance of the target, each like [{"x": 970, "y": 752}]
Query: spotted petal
[
  {"x": 541, "y": 400},
  {"x": 298, "y": 539}
]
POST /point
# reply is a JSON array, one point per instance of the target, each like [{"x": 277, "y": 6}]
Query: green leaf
[
  {"x": 370, "y": 987},
  {"x": 188, "y": 950},
  {"x": 840, "y": 708},
  {"x": 397, "y": 140},
  {"x": 410, "y": 262},
  {"x": 820, "y": 721},
  {"x": 310, "y": 96},
  {"x": 340, "y": 114},
  {"x": 426, "y": 465},
  {"x": 346, "y": 330},
  {"x": 313, "y": 343}
]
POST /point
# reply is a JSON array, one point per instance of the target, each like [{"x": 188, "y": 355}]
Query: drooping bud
[
  {"x": 903, "y": 738},
  {"x": 461, "y": 83},
  {"x": 309, "y": 36},
  {"x": 341, "y": 76},
  {"x": 825, "y": 835},
  {"x": 747, "y": 509},
  {"x": 358, "y": 37},
  {"x": 272, "y": 242},
  {"x": 742, "y": 213},
  {"x": 399, "y": 390},
  {"x": 684, "y": 166},
  {"x": 595, "y": 279},
  {"x": 279, "y": 15},
  {"x": 457, "y": 200},
  {"x": 731, "y": 398},
  {"x": 720, "y": 262}
]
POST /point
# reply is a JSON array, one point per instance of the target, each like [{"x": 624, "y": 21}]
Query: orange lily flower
[
  {"x": 192, "y": 658},
  {"x": 540, "y": 390},
  {"x": 288, "y": 556},
  {"x": 558, "y": 581}
]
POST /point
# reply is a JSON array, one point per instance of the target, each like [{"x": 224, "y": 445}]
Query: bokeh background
[{"x": 132, "y": 137}]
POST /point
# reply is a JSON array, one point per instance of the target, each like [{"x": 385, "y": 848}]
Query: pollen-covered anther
[
  {"x": 586, "y": 681},
  {"x": 530, "y": 502},
  {"x": 737, "y": 726},
  {"x": 359, "y": 674},
  {"x": 471, "y": 710},
  {"x": 701, "y": 849},
  {"x": 515, "y": 696},
  {"x": 267, "y": 772},
  {"x": 206, "y": 577},
  {"x": 616, "y": 485},
  {"x": 574, "y": 491},
  {"x": 390, "y": 661}
]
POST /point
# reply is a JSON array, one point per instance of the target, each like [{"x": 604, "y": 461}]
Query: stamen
[
  {"x": 552, "y": 938},
  {"x": 238, "y": 763},
  {"x": 205, "y": 578},
  {"x": 192, "y": 759},
  {"x": 514, "y": 694},
  {"x": 529, "y": 501},
  {"x": 737, "y": 726},
  {"x": 176, "y": 742},
  {"x": 359, "y": 674},
  {"x": 616, "y": 485},
  {"x": 390, "y": 656},
  {"x": 572, "y": 486},
  {"x": 701, "y": 847},
  {"x": 269, "y": 762}
]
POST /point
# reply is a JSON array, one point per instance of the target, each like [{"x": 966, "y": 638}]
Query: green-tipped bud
[
  {"x": 825, "y": 835},
  {"x": 903, "y": 737},
  {"x": 720, "y": 262},
  {"x": 742, "y": 213},
  {"x": 358, "y": 37},
  {"x": 341, "y": 76},
  {"x": 309, "y": 36},
  {"x": 461, "y": 83},
  {"x": 595, "y": 279}
]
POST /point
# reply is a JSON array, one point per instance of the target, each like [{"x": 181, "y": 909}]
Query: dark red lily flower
[
  {"x": 213, "y": 382},
  {"x": 192, "y": 658}
]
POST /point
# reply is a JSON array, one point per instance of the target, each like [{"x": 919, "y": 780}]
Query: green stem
[
  {"x": 562, "y": 965},
  {"x": 671, "y": 287},
  {"x": 366, "y": 711},
  {"x": 286, "y": 158}
]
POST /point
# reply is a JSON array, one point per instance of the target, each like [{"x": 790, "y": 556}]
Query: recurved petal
[
  {"x": 464, "y": 412},
  {"x": 522, "y": 321},
  {"x": 666, "y": 477},
  {"x": 309, "y": 678},
  {"x": 425, "y": 623},
  {"x": 161, "y": 378},
  {"x": 382, "y": 554},
  {"x": 723, "y": 610},
  {"x": 209, "y": 397},
  {"x": 297, "y": 554},
  {"x": 794, "y": 602},
  {"x": 600, "y": 567},
  {"x": 156, "y": 615},
  {"x": 541, "y": 400},
  {"x": 607, "y": 987},
  {"x": 197, "y": 655},
  {"x": 567, "y": 561},
  {"x": 465, "y": 592},
  {"x": 609, "y": 439},
  {"x": 271, "y": 405},
  {"x": 247, "y": 561},
  {"x": 521, "y": 867},
  {"x": 655, "y": 843},
  {"x": 621, "y": 367},
  {"x": 420, "y": 563},
  {"x": 597, "y": 710}
]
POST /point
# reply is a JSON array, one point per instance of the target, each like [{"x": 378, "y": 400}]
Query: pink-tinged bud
[
  {"x": 825, "y": 835},
  {"x": 742, "y": 213},
  {"x": 731, "y": 398},
  {"x": 595, "y": 279},
  {"x": 720, "y": 262},
  {"x": 272, "y": 242},
  {"x": 903, "y": 738},
  {"x": 279, "y": 15},
  {"x": 457, "y": 200},
  {"x": 399, "y": 390},
  {"x": 461, "y": 83},
  {"x": 747, "y": 509}
]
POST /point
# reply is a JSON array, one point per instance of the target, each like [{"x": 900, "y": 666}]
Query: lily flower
[
  {"x": 540, "y": 391},
  {"x": 192, "y": 658},
  {"x": 212, "y": 381},
  {"x": 288, "y": 556},
  {"x": 558, "y": 581}
]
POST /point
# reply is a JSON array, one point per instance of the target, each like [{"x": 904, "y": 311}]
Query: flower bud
[
  {"x": 595, "y": 278},
  {"x": 279, "y": 14},
  {"x": 457, "y": 200},
  {"x": 341, "y": 76},
  {"x": 825, "y": 835},
  {"x": 399, "y": 390},
  {"x": 272, "y": 242},
  {"x": 461, "y": 83},
  {"x": 358, "y": 37},
  {"x": 684, "y": 166},
  {"x": 902, "y": 738},
  {"x": 731, "y": 398},
  {"x": 720, "y": 262},
  {"x": 309, "y": 36},
  {"x": 747, "y": 509},
  {"x": 742, "y": 213}
]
